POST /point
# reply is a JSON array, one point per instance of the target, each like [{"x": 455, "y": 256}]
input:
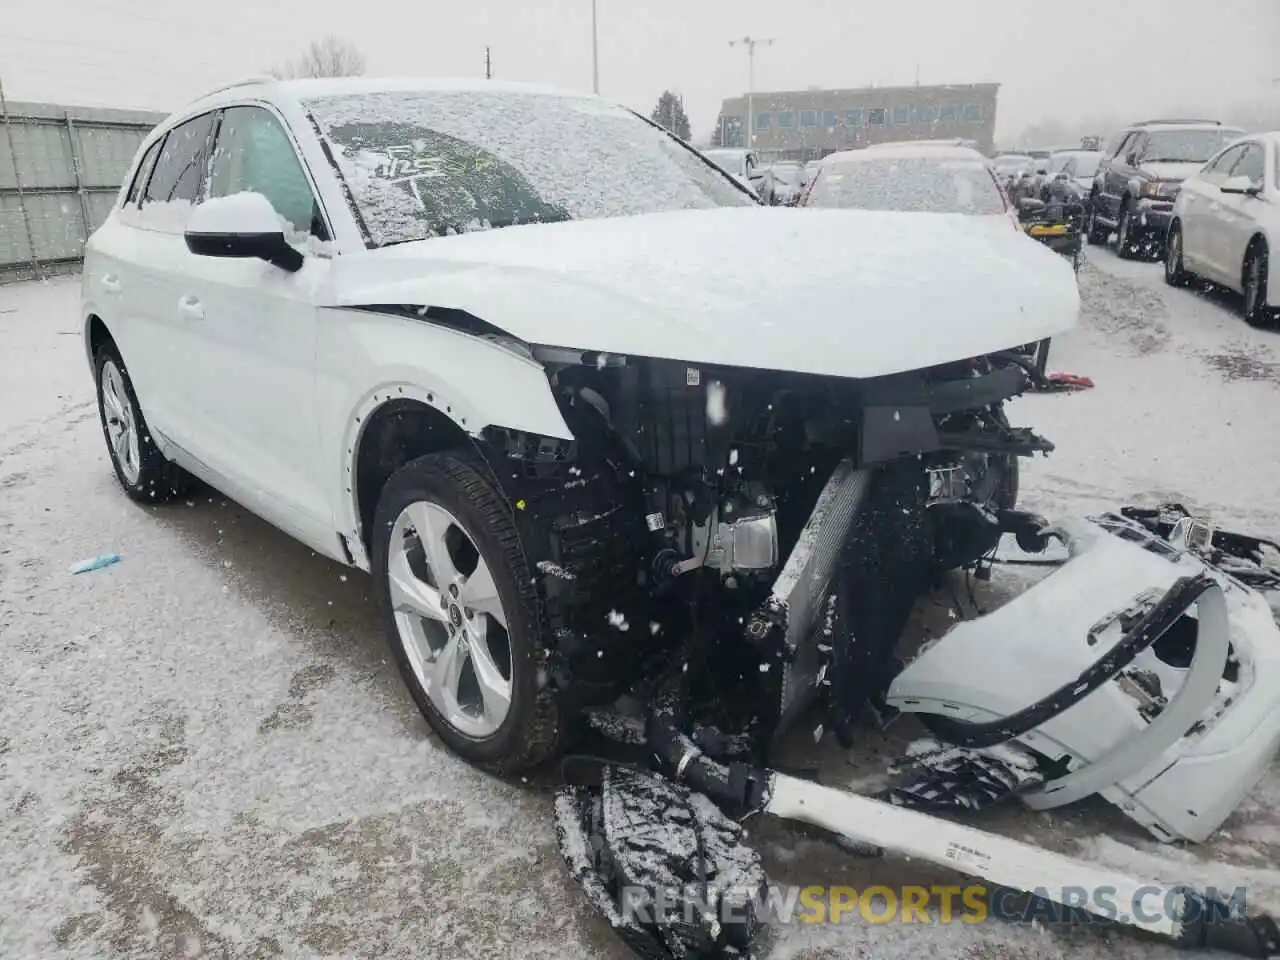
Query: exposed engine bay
[
  {"x": 718, "y": 505},
  {"x": 720, "y": 549}
]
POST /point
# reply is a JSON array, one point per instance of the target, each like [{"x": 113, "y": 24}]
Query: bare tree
[{"x": 330, "y": 56}]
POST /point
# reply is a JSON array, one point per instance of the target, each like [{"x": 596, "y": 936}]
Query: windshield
[
  {"x": 1189, "y": 146},
  {"x": 1086, "y": 165},
  {"x": 427, "y": 164},
  {"x": 1058, "y": 161},
  {"x": 914, "y": 184}
]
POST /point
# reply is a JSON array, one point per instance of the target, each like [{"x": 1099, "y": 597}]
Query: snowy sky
[{"x": 1130, "y": 56}]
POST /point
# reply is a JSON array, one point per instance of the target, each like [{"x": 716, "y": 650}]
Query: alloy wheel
[
  {"x": 121, "y": 421},
  {"x": 450, "y": 619}
]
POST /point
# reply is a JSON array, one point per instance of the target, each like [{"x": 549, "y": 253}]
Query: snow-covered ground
[{"x": 203, "y": 749}]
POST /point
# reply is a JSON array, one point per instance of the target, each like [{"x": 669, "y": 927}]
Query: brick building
[{"x": 807, "y": 124}]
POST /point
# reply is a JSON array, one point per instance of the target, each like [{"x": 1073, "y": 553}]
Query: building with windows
[{"x": 808, "y": 124}]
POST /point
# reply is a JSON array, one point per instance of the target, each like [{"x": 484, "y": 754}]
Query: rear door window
[
  {"x": 1252, "y": 163},
  {"x": 181, "y": 166}
]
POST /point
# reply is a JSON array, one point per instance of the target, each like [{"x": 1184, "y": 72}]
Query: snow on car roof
[
  {"x": 314, "y": 88},
  {"x": 902, "y": 151}
]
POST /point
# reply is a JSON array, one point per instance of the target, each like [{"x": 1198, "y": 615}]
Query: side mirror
[
  {"x": 1061, "y": 176},
  {"x": 1131, "y": 158},
  {"x": 1029, "y": 206},
  {"x": 1241, "y": 185},
  {"x": 243, "y": 226}
]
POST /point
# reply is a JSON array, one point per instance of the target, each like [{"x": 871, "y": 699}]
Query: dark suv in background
[{"x": 1139, "y": 178}]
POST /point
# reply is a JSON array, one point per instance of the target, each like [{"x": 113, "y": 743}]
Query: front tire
[
  {"x": 1257, "y": 313},
  {"x": 461, "y": 613},
  {"x": 144, "y": 473},
  {"x": 1126, "y": 249},
  {"x": 1096, "y": 233},
  {"x": 1175, "y": 274}
]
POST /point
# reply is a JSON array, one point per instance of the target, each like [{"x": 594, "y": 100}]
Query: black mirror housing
[{"x": 271, "y": 247}]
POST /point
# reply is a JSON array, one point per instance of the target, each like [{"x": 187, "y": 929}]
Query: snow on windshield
[
  {"x": 1186, "y": 146},
  {"x": 429, "y": 163},
  {"x": 911, "y": 184}
]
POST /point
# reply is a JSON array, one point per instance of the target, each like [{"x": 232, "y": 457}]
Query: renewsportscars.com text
[{"x": 971, "y": 904}]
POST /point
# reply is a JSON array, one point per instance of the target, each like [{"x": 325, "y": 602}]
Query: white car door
[
  {"x": 152, "y": 258},
  {"x": 1241, "y": 212},
  {"x": 253, "y": 334},
  {"x": 1201, "y": 244}
]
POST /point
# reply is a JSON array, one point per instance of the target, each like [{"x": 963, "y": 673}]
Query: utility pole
[
  {"x": 751, "y": 43},
  {"x": 488, "y": 65},
  {"x": 595, "y": 52}
]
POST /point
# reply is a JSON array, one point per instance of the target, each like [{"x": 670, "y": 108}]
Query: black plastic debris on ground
[{"x": 670, "y": 872}]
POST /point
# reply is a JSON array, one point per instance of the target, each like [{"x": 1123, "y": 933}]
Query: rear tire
[
  {"x": 485, "y": 647},
  {"x": 144, "y": 473},
  {"x": 1175, "y": 274}
]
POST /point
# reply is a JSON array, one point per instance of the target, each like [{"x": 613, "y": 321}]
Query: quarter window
[
  {"x": 144, "y": 169},
  {"x": 180, "y": 167},
  {"x": 254, "y": 152}
]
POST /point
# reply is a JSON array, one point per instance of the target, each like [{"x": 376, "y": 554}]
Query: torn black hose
[
  {"x": 1143, "y": 634},
  {"x": 737, "y": 788}
]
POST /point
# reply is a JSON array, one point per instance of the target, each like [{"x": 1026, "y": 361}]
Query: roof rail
[
  {"x": 1147, "y": 123},
  {"x": 243, "y": 82}
]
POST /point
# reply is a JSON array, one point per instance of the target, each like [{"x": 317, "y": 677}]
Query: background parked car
[
  {"x": 911, "y": 178},
  {"x": 1008, "y": 165},
  {"x": 744, "y": 166},
  {"x": 788, "y": 182},
  {"x": 1226, "y": 221},
  {"x": 1070, "y": 176},
  {"x": 1138, "y": 182}
]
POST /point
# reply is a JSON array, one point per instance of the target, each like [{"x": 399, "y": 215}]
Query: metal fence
[{"x": 60, "y": 172}]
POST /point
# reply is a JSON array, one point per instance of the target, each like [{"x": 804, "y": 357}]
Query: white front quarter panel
[{"x": 365, "y": 359}]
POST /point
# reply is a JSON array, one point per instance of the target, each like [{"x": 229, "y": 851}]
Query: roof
[
  {"x": 903, "y": 151},
  {"x": 314, "y": 88},
  {"x": 1182, "y": 125}
]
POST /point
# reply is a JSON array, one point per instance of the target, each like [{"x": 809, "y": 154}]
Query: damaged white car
[{"x": 598, "y": 423}]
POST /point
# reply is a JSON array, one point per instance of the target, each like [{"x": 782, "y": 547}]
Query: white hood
[
  {"x": 841, "y": 292},
  {"x": 1170, "y": 170}
]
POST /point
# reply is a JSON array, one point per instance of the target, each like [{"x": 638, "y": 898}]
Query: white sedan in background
[{"x": 1225, "y": 222}]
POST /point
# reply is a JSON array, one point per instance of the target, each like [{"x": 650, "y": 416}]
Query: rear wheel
[
  {"x": 1175, "y": 274},
  {"x": 461, "y": 614},
  {"x": 1257, "y": 313},
  {"x": 141, "y": 468}
]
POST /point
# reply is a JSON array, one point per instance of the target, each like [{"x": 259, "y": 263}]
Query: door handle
[
  {"x": 109, "y": 283},
  {"x": 190, "y": 307}
]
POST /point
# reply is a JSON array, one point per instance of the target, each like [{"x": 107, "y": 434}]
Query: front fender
[{"x": 365, "y": 359}]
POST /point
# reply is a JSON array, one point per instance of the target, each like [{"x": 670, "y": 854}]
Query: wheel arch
[
  {"x": 396, "y": 424},
  {"x": 96, "y": 333}
]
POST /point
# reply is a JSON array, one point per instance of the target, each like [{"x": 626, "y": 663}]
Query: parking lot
[{"x": 207, "y": 752}]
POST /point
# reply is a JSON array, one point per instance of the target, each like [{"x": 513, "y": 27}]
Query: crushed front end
[{"x": 1145, "y": 669}]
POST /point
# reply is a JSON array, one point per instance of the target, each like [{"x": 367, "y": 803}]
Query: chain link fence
[{"x": 60, "y": 172}]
